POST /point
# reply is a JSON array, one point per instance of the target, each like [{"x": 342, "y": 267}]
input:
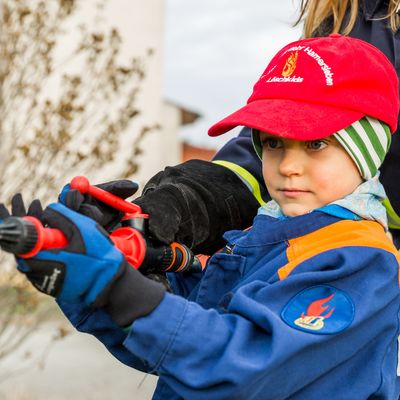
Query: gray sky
[{"x": 215, "y": 51}]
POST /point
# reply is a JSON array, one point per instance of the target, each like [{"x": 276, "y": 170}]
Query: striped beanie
[{"x": 366, "y": 141}]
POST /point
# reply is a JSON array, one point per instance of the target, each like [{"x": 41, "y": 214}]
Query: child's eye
[
  {"x": 272, "y": 143},
  {"x": 316, "y": 144}
]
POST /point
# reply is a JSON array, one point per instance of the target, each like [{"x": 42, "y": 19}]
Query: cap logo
[{"x": 290, "y": 64}]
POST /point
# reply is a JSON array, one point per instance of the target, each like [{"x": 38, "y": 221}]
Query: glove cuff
[{"x": 131, "y": 295}]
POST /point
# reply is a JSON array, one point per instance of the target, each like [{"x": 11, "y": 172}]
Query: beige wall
[{"x": 141, "y": 25}]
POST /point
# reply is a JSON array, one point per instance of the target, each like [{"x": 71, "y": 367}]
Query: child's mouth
[{"x": 293, "y": 193}]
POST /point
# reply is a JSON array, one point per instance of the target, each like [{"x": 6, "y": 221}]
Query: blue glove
[
  {"x": 90, "y": 270},
  {"x": 81, "y": 271},
  {"x": 108, "y": 217}
]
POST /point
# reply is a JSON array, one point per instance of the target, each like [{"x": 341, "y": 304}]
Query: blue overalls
[{"x": 300, "y": 308}]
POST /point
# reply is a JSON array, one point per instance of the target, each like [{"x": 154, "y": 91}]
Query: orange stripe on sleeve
[{"x": 341, "y": 234}]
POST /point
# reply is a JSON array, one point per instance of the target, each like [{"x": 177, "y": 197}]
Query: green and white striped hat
[{"x": 367, "y": 141}]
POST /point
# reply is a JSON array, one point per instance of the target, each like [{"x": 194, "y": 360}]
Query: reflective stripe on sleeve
[
  {"x": 248, "y": 179},
  {"x": 393, "y": 218}
]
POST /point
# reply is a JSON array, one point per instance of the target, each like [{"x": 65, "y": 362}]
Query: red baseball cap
[{"x": 315, "y": 87}]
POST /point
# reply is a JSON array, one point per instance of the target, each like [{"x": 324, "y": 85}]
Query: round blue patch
[{"x": 320, "y": 309}]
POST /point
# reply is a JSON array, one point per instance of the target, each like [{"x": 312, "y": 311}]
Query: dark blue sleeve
[{"x": 239, "y": 156}]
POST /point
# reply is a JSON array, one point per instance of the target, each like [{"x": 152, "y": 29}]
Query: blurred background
[
  {"x": 216, "y": 50},
  {"x": 110, "y": 89}
]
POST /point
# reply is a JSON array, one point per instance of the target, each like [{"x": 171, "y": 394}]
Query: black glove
[
  {"x": 107, "y": 216},
  {"x": 18, "y": 208},
  {"x": 194, "y": 203}
]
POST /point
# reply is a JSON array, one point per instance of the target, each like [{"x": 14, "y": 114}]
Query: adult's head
[{"x": 321, "y": 17}]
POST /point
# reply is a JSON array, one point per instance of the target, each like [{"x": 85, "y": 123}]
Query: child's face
[{"x": 304, "y": 175}]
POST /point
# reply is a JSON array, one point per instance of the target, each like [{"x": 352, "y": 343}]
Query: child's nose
[{"x": 292, "y": 163}]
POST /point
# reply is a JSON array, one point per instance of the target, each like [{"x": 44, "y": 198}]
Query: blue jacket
[
  {"x": 300, "y": 308},
  {"x": 239, "y": 156}
]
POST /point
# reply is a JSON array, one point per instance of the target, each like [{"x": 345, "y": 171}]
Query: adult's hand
[
  {"x": 18, "y": 208},
  {"x": 107, "y": 216},
  {"x": 194, "y": 203}
]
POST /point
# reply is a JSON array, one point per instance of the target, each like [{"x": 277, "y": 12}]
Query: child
[{"x": 305, "y": 304}]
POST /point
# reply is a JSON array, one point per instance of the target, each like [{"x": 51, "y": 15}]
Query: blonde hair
[{"x": 315, "y": 12}]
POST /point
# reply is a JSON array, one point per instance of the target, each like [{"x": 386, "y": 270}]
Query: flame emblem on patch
[
  {"x": 316, "y": 314},
  {"x": 290, "y": 64}
]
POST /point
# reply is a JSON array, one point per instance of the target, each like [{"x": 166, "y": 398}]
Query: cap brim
[{"x": 289, "y": 118}]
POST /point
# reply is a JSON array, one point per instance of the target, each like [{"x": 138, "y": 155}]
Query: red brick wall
[{"x": 190, "y": 152}]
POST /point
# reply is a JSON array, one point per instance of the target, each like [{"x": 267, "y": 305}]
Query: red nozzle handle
[{"x": 82, "y": 184}]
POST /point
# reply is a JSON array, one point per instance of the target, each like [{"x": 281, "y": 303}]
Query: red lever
[{"x": 82, "y": 184}]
